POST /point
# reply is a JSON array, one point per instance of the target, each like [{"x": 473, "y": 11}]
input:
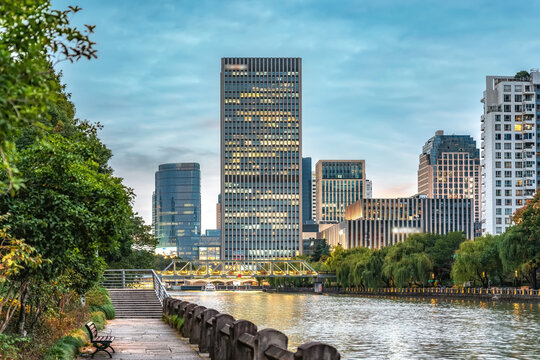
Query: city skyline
[{"x": 154, "y": 81}]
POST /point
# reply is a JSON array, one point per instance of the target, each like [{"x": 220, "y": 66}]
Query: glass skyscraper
[
  {"x": 261, "y": 172},
  {"x": 177, "y": 209},
  {"x": 306, "y": 190}
]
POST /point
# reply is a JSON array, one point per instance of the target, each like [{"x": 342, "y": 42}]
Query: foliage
[
  {"x": 99, "y": 319},
  {"x": 522, "y": 75},
  {"x": 98, "y": 300},
  {"x": 478, "y": 261},
  {"x": 10, "y": 345},
  {"x": 33, "y": 36},
  {"x": 322, "y": 249}
]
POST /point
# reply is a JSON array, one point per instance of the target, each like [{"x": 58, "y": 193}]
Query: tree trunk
[{"x": 22, "y": 313}]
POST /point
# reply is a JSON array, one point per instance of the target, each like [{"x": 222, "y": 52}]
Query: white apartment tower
[{"x": 510, "y": 170}]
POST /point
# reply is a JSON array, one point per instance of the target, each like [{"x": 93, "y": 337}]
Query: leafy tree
[
  {"x": 33, "y": 37},
  {"x": 520, "y": 244},
  {"x": 322, "y": 249},
  {"x": 478, "y": 261},
  {"x": 522, "y": 75},
  {"x": 442, "y": 254}
]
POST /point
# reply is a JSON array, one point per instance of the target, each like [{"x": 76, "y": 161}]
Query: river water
[{"x": 380, "y": 328}]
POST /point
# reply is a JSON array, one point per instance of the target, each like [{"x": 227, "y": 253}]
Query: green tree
[
  {"x": 442, "y": 253},
  {"x": 478, "y": 261},
  {"x": 32, "y": 39},
  {"x": 522, "y": 75},
  {"x": 322, "y": 249},
  {"x": 520, "y": 245}
]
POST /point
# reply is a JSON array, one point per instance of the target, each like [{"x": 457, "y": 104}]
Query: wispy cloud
[{"x": 379, "y": 77}]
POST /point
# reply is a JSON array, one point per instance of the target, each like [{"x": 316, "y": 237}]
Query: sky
[{"x": 379, "y": 78}]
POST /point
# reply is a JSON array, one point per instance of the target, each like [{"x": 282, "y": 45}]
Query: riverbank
[{"x": 493, "y": 294}]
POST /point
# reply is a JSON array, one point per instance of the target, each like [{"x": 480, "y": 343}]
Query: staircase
[{"x": 142, "y": 303}]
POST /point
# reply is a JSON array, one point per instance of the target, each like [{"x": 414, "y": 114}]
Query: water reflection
[{"x": 363, "y": 328}]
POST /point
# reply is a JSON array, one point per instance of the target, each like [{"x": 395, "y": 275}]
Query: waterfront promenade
[{"x": 145, "y": 339}]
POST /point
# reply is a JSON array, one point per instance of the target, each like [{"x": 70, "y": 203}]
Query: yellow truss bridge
[{"x": 217, "y": 269}]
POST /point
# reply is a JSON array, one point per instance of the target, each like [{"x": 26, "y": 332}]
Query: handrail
[
  {"x": 456, "y": 291},
  {"x": 135, "y": 279}
]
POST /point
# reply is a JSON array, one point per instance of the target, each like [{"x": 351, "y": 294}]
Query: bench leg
[
  {"x": 101, "y": 348},
  {"x": 112, "y": 349}
]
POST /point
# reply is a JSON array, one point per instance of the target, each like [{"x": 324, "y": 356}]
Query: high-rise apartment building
[
  {"x": 450, "y": 168},
  {"x": 306, "y": 190},
  {"x": 177, "y": 209},
  {"x": 339, "y": 184},
  {"x": 261, "y": 157},
  {"x": 510, "y": 170}
]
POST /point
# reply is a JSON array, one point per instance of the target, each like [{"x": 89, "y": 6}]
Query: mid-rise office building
[
  {"x": 313, "y": 196},
  {"x": 376, "y": 223},
  {"x": 261, "y": 157},
  {"x": 177, "y": 209},
  {"x": 339, "y": 184},
  {"x": 306, "y": 190},
  {"x": 450, "y": 168},
  {"x": 218, "y": 213},
  {"x": 209, "y": 245},
  {"x": 510, "y": 170}
]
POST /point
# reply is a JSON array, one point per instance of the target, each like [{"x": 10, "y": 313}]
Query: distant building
[
  {"x": 450, "y": 168},
  {"x": 376, "y": 223},
  {"x": 261, "y": 158},
  {"x": 209, "y": 245},
  {"x": 310, "y": 238},
  {"x": 510, "y": 160},
  {"x": 339, "y": 184},
  {"x": 369, "y": 189},
  {"x": 218, "y": 213},
  {"x": 306, "y": 190},
  {"x": 177, "y": 209},
  {"x": 313, "y": 196}
]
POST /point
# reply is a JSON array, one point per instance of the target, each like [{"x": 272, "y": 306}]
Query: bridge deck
[{"x": 141, "y": 339}]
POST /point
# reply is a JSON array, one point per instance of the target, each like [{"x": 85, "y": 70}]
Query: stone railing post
[
  {"x": 185, "y": 326},
  {"x": 266, "y": 338},
  {"x": 223, "y": 349},
  {"x": 316, "y": 351},
  {"x": 195, "y": 333},
  {"x": 205, "y": 334},
  {"x": 238, "y": 328},
  {"x": 218, "y": 321},
  {"x": 245, "y": 347}
]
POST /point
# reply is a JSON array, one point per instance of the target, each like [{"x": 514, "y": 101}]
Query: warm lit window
[{"x": 517, "y": 127}]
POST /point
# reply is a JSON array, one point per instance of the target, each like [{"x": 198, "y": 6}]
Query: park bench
[{"x": 102, "y": 343}]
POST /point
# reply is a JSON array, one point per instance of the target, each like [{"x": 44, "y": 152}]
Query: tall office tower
[
  {"x": 369, "y": 189},
  {"x": 261, "y": 155},
  {"x": 306, "y": 190},
  {"x": 313, "y": 196},
  {"x": 509, "y": 147},
  {"x": 450, "y": 168},
  {"x": 339, "y": 184},
  {"x": 177, "y": 209}
]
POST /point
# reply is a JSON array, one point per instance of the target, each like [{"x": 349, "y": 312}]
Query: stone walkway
[{"x": 141, "y": 339}]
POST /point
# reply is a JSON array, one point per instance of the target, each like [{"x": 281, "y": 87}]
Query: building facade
[
  {"x": 376, "y": 223},
  {"x": 209, "y": 245},
  {"x": 313, "y": 196},
  {"x": 449, "y": 167},
  {"x": 218, "y": 213},
  {"x": 510, "y": 168},
  {"x": 369, "y": 189},
  {"x": 177, "y": 209},
  {"x": 306, "y": 191},
  {"x": 261, "y": 157},
  {"x": 339, "y": 184}
]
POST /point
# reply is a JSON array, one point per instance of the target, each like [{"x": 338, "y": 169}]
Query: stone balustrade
[{"x": 225, "y": 338}]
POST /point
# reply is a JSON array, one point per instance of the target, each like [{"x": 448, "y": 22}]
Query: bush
[
  {"x": 98, "y": 296},
  {"x": 107, "y": 309},
  {"x": 98, "y": 318},
  {"x": 67, "y": 348}
]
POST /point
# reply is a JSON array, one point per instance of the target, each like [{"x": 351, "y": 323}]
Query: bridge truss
[{"x": 182, "y": 269}]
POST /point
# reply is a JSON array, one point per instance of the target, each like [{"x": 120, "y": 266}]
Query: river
[{"x": 379, "y": 328}]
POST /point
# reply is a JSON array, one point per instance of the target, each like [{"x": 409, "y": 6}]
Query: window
[
  {"x": 517, "y": 127},
  {"x": 507, "y": 108},
  {"x": 497, "y": 136},
  {"x": 498, "y": 183},
  {"x": 518, "y": 98},
  {"x": 497, "y": 127},
  {"x": 507, "y": 146},
  {"x": 497, "y": 117},
  {"x": 498, "y": 221},
  {"x": 507, "y": 183},
  {"x": 498, "y": 173},
  {"x": 509, "y": 136},
  {"x": 507, "y": 202},
  {"x": 507, "y": 155},
  {"x": 508, "y": 174},
  {"x": 507, "y": 88},
  {"x": 498, "y": 211},
  {"x": 507, "y": 118},
  {"x": 507, "y": 192},
  {"x": 518, "y": 108},
  {"x": 508, "y": 211},
  {"x": 507, "y": 127},
  {"x": 507, "y": 98},
  {"x": 498, "y": 192},
  {"x": 497, "y": 155},
  {"x": 497, "y": 146},
  {"x": 518, "y": 87},
  {"x": 498, "y": 202}
]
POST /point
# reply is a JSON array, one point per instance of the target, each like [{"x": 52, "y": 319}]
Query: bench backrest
[{"x": 92, "y": 330}]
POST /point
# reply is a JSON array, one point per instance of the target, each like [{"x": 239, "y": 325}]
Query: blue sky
[{"x": 379, "y": 77}]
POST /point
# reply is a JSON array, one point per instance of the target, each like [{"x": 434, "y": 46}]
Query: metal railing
[
  {"x": 453, "y": 291},
  {"x": 135, "y": 279}
]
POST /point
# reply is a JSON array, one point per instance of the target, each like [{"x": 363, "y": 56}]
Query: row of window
[{"x": 527, "y": 136}]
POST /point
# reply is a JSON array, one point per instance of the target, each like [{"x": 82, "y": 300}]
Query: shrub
[
  {"x": 98, "y": 317},
  {"x": 107, "y": 309},
  {"x": 97, "y": 296}
]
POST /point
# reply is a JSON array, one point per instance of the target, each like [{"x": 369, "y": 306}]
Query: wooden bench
[{"x": 102, "y": 343}]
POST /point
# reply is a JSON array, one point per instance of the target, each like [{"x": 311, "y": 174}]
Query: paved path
[{"x": 141, "y": 339}]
